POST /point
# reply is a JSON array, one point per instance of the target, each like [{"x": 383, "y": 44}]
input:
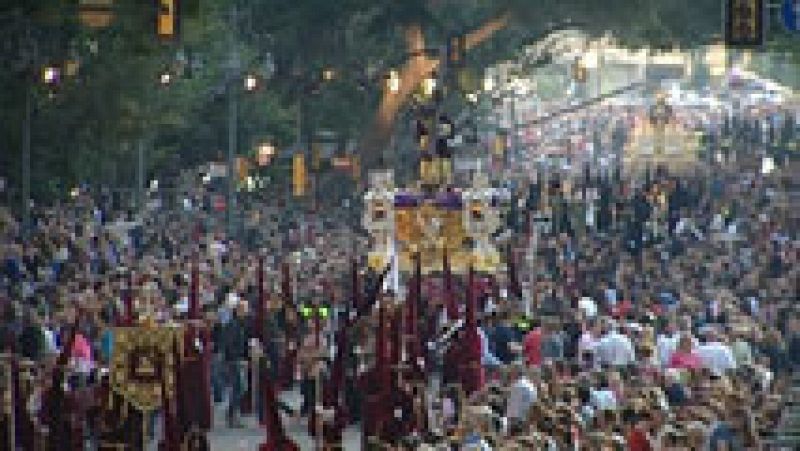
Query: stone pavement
[{"x": 248, "y": 438}]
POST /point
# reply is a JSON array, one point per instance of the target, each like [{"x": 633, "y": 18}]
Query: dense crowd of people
[{"x": 667, "y": 320}]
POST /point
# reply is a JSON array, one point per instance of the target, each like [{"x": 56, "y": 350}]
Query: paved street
[{"x": 252, "y": 435}]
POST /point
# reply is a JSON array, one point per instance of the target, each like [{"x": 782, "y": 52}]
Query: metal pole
[
  {"x": 232, "y": 135},
  {"x": 599, "y": 69},
  {"x": 140, "y": 202},
  {"x": 440, "y": 81},
  {"x": 514, "y": 128},
  {"x": 26, "y": 163},
  {"x": 234, "y": 72}
]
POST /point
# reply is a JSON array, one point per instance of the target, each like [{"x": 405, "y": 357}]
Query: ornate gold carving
[
  {"x": 143, "y": 362},
  {"x": 461, "y": 225}
]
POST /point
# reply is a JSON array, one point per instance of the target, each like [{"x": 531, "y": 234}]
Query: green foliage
[{"x": 88, "y": 130}]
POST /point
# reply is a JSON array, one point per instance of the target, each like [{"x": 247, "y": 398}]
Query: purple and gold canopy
[{"x": 444, "y": 201}]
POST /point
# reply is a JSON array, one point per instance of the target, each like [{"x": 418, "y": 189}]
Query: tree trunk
[{"x": 411, "y": 75}]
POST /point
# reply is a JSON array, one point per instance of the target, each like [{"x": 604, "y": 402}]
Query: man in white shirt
[
  {"x": 521, "y": 396},
  {"x": 716, "y": 355},
  {"x": 666, "y": 343},
  {"x": 615, "y": 348}
]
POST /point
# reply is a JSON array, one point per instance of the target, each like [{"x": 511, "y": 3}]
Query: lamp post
[
  {"x": 233, "y": 131},
  {"x": 165, "y": 79},
  {"x": 26, "y": 163},
  {"x": 51, "y": 77},
  {"x": 250, "y": 84},
  {"x": 512, "y": 105}
]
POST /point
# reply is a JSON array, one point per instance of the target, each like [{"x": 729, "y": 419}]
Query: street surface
[{"x": 252, "y": 435}]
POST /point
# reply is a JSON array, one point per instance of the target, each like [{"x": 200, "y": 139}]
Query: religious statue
[{"x": 459, "y": 222}]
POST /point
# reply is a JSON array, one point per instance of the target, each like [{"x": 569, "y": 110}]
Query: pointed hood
[
  {"x": 471, "y": 320},
  {"x": 413, "y": 299},
  {"x": 261, "y": 305},
  {"x": 277, "y": 439},
  {"x": 513, "y": 278},
  {"x": 356, "y": 284},
  {"x": 471, "y": 370},
  {"x": 451, "y": 307},
  {"x": 127, "y": 300},
  {"x": 194, "y": 296},
  {"x": 286, "y": 284},
  {"x": 381, "y": 359}
]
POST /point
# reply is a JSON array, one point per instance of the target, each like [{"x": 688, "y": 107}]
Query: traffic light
[
  {"x": 299, "y": 174},
  {"x": 167, "y": 19},
  {"x": 744, "y": 23}
]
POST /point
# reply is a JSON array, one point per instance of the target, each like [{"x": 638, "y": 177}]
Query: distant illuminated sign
[
  {"x": 167, "y": 19},
  {"x": 744, "y": 23}
]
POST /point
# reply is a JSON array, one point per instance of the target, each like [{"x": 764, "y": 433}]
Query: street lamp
[
  {"x": 393, "y": 81},
  {"x": 51, "y": 75},
  {"x": 429, "y": 85},
  {"x": 250, "y": 82},
  {"x": 488, "y": 83},
  {"x": 264, "y": 154},
  {"x": 165, "y": 78}
]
